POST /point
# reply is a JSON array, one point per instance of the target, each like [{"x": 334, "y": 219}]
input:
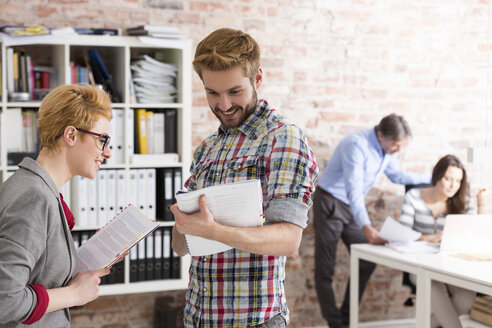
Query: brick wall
[{"x": 333, "y": 67}]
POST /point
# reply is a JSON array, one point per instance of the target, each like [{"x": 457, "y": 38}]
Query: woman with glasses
[{"x": 37, "y": 254}]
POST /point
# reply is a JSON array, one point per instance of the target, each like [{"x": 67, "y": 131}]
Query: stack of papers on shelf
[
  {"x": 153, "y": 81},
  {"x": 234, "y": 204},
  {"x": 24, "y": 30},
  {"x": 167, "y": 32}
]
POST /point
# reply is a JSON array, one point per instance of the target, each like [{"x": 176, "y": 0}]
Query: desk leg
[
  {"x": 423, "y": 300},
  {"x": 354, "y": 289}
]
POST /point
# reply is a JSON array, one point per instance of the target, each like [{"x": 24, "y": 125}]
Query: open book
[
  {"x": 234, "y": 204},
  {"x": 109, "y": 244}
]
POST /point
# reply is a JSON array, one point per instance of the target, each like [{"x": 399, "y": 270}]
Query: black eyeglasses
[{"x": 102, "y": 142}]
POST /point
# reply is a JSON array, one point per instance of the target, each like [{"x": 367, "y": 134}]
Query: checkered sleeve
[{"x": 290, "y": 165}]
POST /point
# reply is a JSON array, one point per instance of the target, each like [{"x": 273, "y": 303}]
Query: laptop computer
[{"x": 467, "y": 232}]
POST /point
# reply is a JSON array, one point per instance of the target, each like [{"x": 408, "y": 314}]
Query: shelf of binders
[
  {"x": 145, "y": 177},
  {"x": 95, "y": 201},
  {"x": 151, "y": 261}
]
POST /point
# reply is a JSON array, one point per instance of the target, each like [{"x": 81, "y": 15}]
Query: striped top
[
  {"x": 236, "y": 288},
  {"x": 416, "y": 215}
]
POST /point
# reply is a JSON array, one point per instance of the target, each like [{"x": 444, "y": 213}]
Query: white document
[
  {"x": 393, "y": 231},
  {"x": 236, "y": 204},
  {"x": 124, "y": 231},
  {"x": 419, "y": 246}
]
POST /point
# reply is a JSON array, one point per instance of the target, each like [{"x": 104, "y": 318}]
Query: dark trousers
[{"x": 333, "y": 220}]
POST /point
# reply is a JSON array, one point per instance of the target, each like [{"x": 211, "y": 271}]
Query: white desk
[{"x": 442, "y": 267}]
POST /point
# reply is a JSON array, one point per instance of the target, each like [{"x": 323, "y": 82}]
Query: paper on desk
[
  {"x": 419, "y": 246},
  {"x": 393, "y": 231}
]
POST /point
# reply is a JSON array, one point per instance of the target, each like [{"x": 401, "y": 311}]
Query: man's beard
[{"x": 246, "y": 112}]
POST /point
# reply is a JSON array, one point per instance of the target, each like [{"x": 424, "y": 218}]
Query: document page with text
[
  {"x": 115, "y": 238},
  {"x": 235, "y": 204}
]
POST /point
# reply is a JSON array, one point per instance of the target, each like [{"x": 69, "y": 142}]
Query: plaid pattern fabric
[{"x": 237, "y": 288}]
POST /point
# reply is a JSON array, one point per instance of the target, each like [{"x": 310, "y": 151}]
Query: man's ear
[
  {"x": 70, "y": 135},
  {"x": 379, "y": 135},
  {"x": 258, "y": 78}
]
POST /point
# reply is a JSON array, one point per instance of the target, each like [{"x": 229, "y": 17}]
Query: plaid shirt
[{"x": 236, "y": 288}]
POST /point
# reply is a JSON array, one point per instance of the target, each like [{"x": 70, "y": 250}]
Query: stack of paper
[
  {"x": 393, "y": 231},
  {"x": 404, "y": 239},
  {"x": 229, "y": 206},
  {"x": 153, "y": 81}
]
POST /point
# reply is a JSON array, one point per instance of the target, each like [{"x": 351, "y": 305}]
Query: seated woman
[
  {"x": 37, "y": 254},
  {"x": 424, "y": 210}
]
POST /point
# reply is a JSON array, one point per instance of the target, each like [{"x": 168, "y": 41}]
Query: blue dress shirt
[{"x": 355, "y": 166}]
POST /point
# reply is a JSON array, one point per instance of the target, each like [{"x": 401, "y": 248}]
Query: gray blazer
[{"x": 36, "y": 245}]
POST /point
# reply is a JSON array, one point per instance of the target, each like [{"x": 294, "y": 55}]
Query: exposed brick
[
  {"x": 46, "y": 11},
  {"x": 69, "y": 2},
  {"x": 332, "y": 68},
  {"x": 338, "y": 117},
  {"x": 165, "y": 4}
]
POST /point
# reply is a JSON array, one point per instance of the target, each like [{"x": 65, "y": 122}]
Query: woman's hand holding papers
[
  {"x": 86, "y": 285},
  {"x": 83, "y": 288}
]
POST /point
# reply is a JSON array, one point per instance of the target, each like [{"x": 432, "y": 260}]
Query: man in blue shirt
[{"x": 339, "y": 207}]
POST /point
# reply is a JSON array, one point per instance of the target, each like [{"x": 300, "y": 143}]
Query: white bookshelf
[{"x": 117, "y": 52}]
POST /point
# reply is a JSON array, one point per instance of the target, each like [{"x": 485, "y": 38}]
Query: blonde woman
[{"x": 37, "y": 254}]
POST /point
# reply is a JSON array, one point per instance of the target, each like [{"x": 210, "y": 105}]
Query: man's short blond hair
[
  {"x": 226, "y": 48},
  {"x": 77, "y": 105}
]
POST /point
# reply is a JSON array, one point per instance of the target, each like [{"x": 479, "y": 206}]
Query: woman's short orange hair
[{"x": 77, "y": 105}]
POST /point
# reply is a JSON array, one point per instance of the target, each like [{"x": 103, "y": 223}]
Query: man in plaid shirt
[{"x": 244, "y": 286}]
